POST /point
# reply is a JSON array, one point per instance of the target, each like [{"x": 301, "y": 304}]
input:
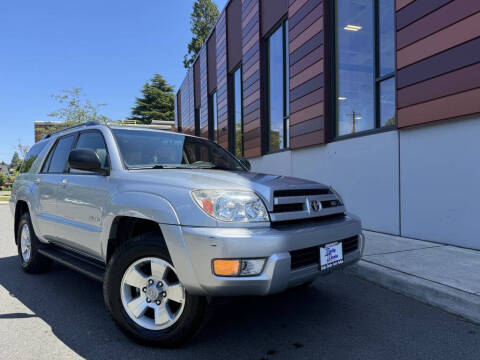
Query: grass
[{"x": 4, "y": 197}]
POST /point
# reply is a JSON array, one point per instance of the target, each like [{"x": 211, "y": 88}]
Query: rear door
[
  {"x": 83, "y": 196},
  {"x": 48, "y": 218}
]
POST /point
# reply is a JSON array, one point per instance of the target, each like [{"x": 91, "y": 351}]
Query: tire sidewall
[
  {"x": 25, "y": 220},
  {"x": 143, "y": 247}
]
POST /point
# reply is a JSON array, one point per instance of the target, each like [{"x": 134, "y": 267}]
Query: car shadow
[{"x": 72, "y": 305}]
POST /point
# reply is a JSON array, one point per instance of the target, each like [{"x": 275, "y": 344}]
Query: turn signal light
[{"x": 226, "y": 267}]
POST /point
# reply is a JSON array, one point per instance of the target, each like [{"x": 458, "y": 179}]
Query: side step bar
[{"x": 77, "y": 262}]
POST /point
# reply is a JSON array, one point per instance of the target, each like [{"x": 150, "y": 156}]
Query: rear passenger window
[
  {"x": 32, "y": 156},
  {"x": 58, "y": 162},
  {"x": 93, "y": 140}
]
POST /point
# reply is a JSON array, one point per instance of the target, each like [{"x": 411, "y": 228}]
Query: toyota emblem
[{"x": 315, "y": 204}]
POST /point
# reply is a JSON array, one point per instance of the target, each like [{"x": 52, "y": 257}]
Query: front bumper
[{"x": 193, "y": 249}]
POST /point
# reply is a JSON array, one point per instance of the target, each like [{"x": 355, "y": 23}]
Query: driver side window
[{"x": 93, "y": 140}]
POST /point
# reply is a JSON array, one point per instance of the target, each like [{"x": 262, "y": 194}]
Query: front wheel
[{"x": 146, "y": 298}]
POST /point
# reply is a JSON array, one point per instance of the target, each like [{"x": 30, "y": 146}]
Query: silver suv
[{"x": 167, "y": 221}]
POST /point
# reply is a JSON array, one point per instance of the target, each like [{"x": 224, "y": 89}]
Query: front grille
[
  {"x": 307, "y": 221},
  {"x": 350, "y": 244},
  {"x": 288, "y": 207},
  {"x": 304, "y": 257},
  {"x": 301, "y": 192}
]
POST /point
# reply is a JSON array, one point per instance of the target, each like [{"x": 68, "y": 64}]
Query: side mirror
[
  {"x": 246, "y": 163},
  {"x": 85, "y": 160}
]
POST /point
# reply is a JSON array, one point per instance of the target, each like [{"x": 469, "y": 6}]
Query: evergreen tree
[
  {"x": 15, "y": 162},
  {"x": 157, "y": 102},
  {"x": 202, "y": 19}
]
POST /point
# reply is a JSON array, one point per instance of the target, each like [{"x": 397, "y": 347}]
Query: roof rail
[{"x": 88, "y": 123}]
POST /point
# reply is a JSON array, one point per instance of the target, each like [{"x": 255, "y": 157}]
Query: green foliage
[
  {"x": 157, "y": 102},
  {"x": 76, "y": 108},
  {"x": 16, "y": 161},
  {"x": 3, "y": 179},
  {"x": 202, "y": 19}
]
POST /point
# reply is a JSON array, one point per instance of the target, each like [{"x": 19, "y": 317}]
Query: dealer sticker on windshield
[{"x": 331, "y": 255}]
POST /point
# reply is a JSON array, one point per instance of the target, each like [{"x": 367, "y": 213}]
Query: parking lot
[{"x": 61, "y": 315}]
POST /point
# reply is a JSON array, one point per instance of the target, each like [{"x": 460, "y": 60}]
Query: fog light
[
  {"x": 252, "y": 267},
  {"x": 239, "y": 267},
  {"x": 226, "y": 267}
]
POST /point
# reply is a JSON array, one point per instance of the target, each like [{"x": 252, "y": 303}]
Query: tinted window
[
  {"x": 214, "y": 112},
  {"x": 94, "y": 141},
  {"x": 237, "y": 114},
  {"x": 60, "y": 154},
  {"x": 147, "y": 149},
  {"x": 32, "y": 156}
]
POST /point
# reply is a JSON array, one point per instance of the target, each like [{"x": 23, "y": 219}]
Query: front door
[{"x": 83, "y": 197}]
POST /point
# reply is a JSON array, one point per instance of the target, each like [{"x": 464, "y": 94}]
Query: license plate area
[{"x": 331, "y": 255}]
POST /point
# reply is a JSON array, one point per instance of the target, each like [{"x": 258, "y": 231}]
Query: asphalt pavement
[{"x": 61, "y": 315}]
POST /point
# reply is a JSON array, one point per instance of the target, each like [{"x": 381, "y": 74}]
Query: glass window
[
  {"x": 355, "y": 66},
  {"x": 364, "y": 60},
  {"x": 237, "y": 112},
  {"x": 387, "y": 102},
  {"x": 214, "y": 117},
  {"x": 94, "y": 141},
  {"x": 163, "y": 150},
  {"x": 58, "y": 162},
  {"x": 31, "y": 157},
  {"x": 386, "y": 36}
]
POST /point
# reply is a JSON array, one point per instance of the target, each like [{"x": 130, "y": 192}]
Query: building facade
[{"x": 380, "y": 98}]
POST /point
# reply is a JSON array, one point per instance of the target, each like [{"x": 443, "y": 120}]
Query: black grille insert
[
  {"x": 304, "y": 257},
  {"x": 350, "y": 244},
  {"x": 301, "y": 192},
  {"x": 287, "y": 207}
]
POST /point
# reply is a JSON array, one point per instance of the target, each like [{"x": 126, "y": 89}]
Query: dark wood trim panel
[
  {"x": 465, "y": 79},
  {"x": 450, "y": 60},
  {"x": 307, "y": 91},
  {"x": 196, "y": 82},
  {"x": 234, "y": 34},
  {"x": 222, "y": 94},
  {"x": 438, "y": 61},
  {"x": 438, "y": 20},
  {"x": 272, "y": 12},
  {"x": 417, "y": 10}
]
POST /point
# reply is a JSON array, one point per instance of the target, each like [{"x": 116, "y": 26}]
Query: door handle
[{"x": 64, "y": 182}]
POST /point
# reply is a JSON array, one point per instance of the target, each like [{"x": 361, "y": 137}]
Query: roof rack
[{"x": 88, "y": 123}]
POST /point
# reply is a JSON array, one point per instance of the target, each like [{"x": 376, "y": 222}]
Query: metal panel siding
[
  {"x": 307, "y": 90},
  {"x": 196, "y": 82},
  {"x": 272, "y": 12},
  {"x": 222, "y": 93},
  {"x": 212, "y": 62},
  {"x": 251, "y": 60},
  {"x": 234, "y": 33},
  {"x": 437, "y": 60},
  {"x": 203, "y": 93}
]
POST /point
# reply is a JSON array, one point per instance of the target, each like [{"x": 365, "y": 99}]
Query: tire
[
  {"x": 141, "y": 326},
  {"x": 30, "y": 259}
]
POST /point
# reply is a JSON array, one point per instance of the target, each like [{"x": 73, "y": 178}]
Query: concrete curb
[{"x": 452, "y": 300}]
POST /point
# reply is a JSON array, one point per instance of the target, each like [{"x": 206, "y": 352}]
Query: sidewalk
[{"x": 444, "y": 276}]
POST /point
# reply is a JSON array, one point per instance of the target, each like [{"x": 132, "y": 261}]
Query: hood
[{"x": 263, "y": 184}]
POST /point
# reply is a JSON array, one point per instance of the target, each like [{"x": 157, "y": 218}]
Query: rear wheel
[
  {"x": 30, "y": 259},
  {"x": 146, "y": 298}
]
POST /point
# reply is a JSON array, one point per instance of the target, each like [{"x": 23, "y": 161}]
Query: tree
[
  {"x": 16, "y": 161},
  {"x": 3, "y": 179},
  {"x": 77, "y": 108},
  {"x": 202, "y": 19},
  {"x": 157, "y": 102}
]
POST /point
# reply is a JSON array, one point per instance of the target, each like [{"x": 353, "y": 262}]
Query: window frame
[
  {"x": 377, "y": 78},
  {"x": 282, "y": 23}
]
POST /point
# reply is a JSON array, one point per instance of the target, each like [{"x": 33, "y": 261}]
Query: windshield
[{"x": 154, "y": 149}]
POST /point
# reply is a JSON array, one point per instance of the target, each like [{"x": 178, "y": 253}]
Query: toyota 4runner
[{"x": 168, "y": 221}]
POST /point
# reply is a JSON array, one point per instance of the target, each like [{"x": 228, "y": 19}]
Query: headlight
[{"x": 232, "y": 206}]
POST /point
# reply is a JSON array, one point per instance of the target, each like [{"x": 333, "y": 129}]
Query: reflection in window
[
  {"x": 237, "y": 112},
  {"x": 214, "y": 117},
  {"x": 355, "y": 66},
  {"x": 278, "y": 88},
  {"x": 387, "y": 102},
  {"x": 359, "y": 76}
]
